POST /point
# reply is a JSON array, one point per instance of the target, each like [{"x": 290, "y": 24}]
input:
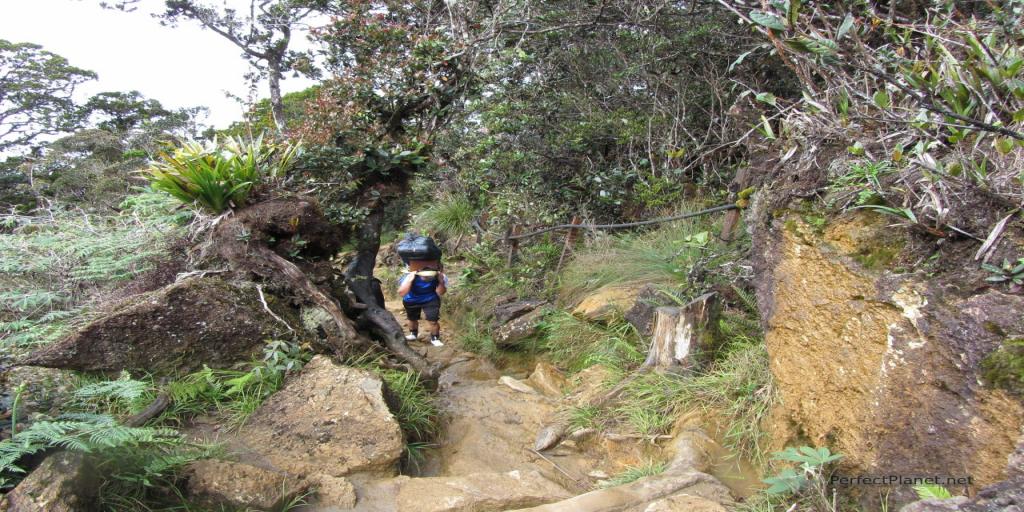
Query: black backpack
[{"x": 418, "y": 248}]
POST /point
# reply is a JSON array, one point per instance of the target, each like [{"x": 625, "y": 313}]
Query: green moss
[
  {"x": 993, "y": 328},
  {"x": 877, "y": 257},
  {"x": 816, "y": 221},
  {"x": 1004, "y": 367}
]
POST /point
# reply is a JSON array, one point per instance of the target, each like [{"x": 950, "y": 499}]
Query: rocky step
[{"x": 475, "y": 492}]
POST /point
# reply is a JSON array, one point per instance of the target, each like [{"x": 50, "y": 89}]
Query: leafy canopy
[{"x": 36, "y": 88}]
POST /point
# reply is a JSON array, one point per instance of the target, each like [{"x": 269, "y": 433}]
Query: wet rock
[
  {"x": 477, "y": 492},
  {"x": 934, "y": 505},
  {"x": 216, "y": 483},
  {"x": 905, "y": 353},
  {"x": 548, "y": 437},
  {"x": 606, "y": 302},
  {"x": 332, "y": 491},
  {"x": 516, "y": 384},
  {"x": 641, "y": 313},
  {"x": 692, "y": 450},
  {"x": 177, "y": 328},
  {"x": 64, "y": 482},
  {"x": 505, "y": 313},
  {"x": 548, "y": 380},
  {"x": 517, "y": 330},
  {"x": 638, "y": 495},
  {"x": 329, "y": 419},
  {"x": 684, "y": 503}
]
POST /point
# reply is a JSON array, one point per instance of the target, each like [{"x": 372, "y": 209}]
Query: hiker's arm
[
  {"x": 442, "y": 285},
  {"x": 405, "y": 284}
]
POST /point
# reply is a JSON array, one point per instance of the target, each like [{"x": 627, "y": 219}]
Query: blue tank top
[{"x": 422, "y": 291}]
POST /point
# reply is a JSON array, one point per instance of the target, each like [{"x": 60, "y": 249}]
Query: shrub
[
  {"x": 808, "y": 482},
  {"x": 449, "y": 217},
  {"x": 217, "y": 176}
]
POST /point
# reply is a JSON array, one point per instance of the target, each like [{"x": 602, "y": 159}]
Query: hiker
[{"x": 421, "y": 289}]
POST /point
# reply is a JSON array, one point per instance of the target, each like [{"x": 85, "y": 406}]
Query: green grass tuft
[
  {"x": 577, "y": 344},
  {"x": 663, "y": 256},
  {"x": 450, "y": 217},
  {"x": 635, "y": 473},
  {"x": 417, "y": 412}
]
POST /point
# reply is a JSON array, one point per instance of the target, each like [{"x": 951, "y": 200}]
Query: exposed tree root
[
  {"x": 162, "y": 401},
  {"x": 254, "y": 239},
  {"x": 245, "y": 239}
]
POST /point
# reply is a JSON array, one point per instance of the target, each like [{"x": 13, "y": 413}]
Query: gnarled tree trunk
[{"x": 359, "y": 276}]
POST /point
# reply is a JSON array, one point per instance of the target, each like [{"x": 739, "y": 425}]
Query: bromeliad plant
[
  {"x": 219, "y": 176},
  {"x": 1009, "y": 272}
]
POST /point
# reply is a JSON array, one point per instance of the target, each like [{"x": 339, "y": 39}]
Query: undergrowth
[
  {"x": 140, "y": 467},
  {"x": 732, "y": 385},
  {"x": 667, "y": 256},
  {"x": 53, "y": 263}
]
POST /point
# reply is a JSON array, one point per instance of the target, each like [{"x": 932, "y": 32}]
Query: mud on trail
[{"x": 489, "y": 426}]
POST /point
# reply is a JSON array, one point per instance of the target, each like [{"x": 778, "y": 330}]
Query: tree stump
[{"x": 680, "y": 333}]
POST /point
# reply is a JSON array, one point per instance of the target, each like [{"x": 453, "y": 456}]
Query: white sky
[{"x": 181, "y": 67}]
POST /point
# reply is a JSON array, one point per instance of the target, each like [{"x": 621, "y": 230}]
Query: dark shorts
[{"x": 431, "y": 310}]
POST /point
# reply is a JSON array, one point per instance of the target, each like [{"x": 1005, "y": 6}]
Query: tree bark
[
  {"x": 680, "y": 334},
  {"x": 274, "y": 79}
]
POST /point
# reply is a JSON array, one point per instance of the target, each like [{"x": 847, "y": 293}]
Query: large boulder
[
  {"x": 64, "y": 482},
  {"x": 329, "y": 419},
  {"x": 180, "y": 327},
  {"x": 886, "y": 369},
  {"x": 606, "y": 302}
]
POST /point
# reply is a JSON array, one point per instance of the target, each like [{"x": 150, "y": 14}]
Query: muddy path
[{"x": 490, "y": 418}]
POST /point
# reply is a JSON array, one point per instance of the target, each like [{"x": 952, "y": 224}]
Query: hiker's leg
[
  {"x": 413, "y": 314},
  {"x": 432, "y": 310}
]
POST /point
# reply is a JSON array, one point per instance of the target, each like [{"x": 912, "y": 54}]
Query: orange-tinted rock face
[{"x": 884, "y": 368}]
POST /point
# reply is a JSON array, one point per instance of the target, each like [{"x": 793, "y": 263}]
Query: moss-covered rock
[
  {"x": 176, "y": 328},
  {"x": 1004, "y": 367}
]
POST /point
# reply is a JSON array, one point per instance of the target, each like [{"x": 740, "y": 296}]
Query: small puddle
[{"x": 740, "y": 475}]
